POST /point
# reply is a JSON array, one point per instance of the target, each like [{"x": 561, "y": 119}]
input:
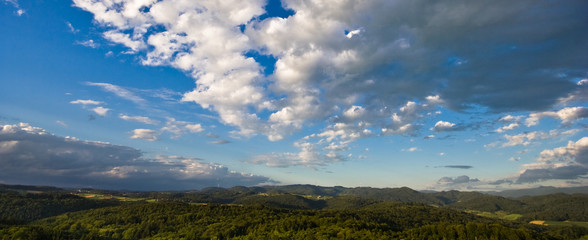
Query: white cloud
[
  {"x": 412, "y": 149},
  {"x": 62, "y": 123},
  {"x": 566, "y": 115},
  {"x": 524, "y": 139},
  {"x": 309, "y": 156},
  {"x": 173, "y": 126},
  {"x": 568, "y": 162},
  {"x": 29, "y": 155},
  {"x": 145, "y": 134},
  {"x": 510, "y": 119},
  {"x": 86, "y": 102},
  {"x": 88, "y": 43},
  {"x": 102, "y": 111},
  {"x": 442, "y": 126},
  {"x": 354, "y": 112},
  {"x": 574, "y": 151},
  {"x": 119, "y": 91},
  {"x": 71, "y": 27},
  {"x": 579, "y": 95},
  {"x": 14, "y": 3},
  {"x": 179, "y": 128},
  {"x": 398, "y": 74},
  {"x": 352, "y": 33},
  {"x": 509, "y": 127},
  {"x": 124, "y": 39},
  {"x": 140, "y": 119}
]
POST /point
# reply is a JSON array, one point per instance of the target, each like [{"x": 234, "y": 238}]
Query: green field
[
  {"x": 499, "y": 215},
  {"x": 97, "y": 196}
]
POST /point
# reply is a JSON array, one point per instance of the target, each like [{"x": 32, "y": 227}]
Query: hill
[
  {"x": 539, "y": 191},
  {"x": 286, "y": 212}
]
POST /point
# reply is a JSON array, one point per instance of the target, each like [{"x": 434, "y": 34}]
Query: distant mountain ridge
[
  {"x": 557, "y": 206},
  {"x": 402, "y": 194},
  {"x": 539, "y": 191}
]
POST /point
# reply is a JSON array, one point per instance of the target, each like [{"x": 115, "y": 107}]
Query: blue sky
[{"x": 173, "y": 95}]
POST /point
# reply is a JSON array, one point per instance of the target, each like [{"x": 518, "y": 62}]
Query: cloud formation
[
  {"x": 335, "y": 55},
  {"x": 145, "y": 134},
  {"x": 367, "y": 68},
  {"x": 442, "y": 126},
  {"x": 140, "y": 119},
  {"x": 173, "y": 126},
  {"x": 102, "y": 111},
  {"x": 30, "y": 155},
  {"x": 86, "y": 102},
  {"x": 457, "y": 166},
  {"x": 457, "y": 180},
  {"x": 568, "y": 162},
  {"x": 566, "y": 115},
  {"x": 119, "y": 91}
]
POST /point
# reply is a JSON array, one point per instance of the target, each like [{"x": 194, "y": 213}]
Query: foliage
[{"x": 22, "y": 208}]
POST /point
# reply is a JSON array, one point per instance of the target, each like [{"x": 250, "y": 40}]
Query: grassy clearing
[
  {"x": 109, "y": 197},
  {"x": 499, "y": 214}
]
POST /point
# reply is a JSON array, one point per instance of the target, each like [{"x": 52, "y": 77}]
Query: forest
[{"x": 287, "y": 212}]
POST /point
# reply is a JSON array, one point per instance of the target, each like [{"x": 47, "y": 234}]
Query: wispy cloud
[
  {"x": 71, "y": 28},
  {"x": 14, "y": 3},
  {"x": 88, "y": 43},
  {"x": 140, "y": 119},
  {"x": 220, "y": 141},
  {"x": 86, "y": 102},
  {"x": 119, "y": 91},
  {"x": 457, "y": 166},
  {"x": 62, "y": 123}
]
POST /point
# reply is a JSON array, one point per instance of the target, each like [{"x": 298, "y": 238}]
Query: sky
[{"x": 156, "y": 95}]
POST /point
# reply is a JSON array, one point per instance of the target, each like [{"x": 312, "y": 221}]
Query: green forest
[{"x": 287, "y": 212}]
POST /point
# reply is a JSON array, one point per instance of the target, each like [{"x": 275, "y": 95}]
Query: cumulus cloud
[
  {"x": 145, "y": 134},
  {"x": 102, "y": 111},
  {"x": 140, "y": 119},
  {"x": 568, "y": 162},
  {"x": 525, "y": 139},
  {"x": 509, "y": 127},
  {"x": 442, "y": 126},
  {"x": 30, "y": 155},
  {"x": 179, "y": 128},
  {"x": 566, "y": 115},
  {"x": 326, "y": 52},
  {"x": 579, "y": 95},
  {"x": 384, "y": 63},
  {"x": 173, "y": 126}
]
